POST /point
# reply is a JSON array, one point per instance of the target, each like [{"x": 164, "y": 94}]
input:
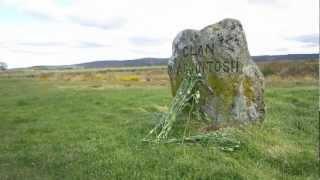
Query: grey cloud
[
  {"x": 37, "y": 44},
  {"x": 81, "y": 44},
  {"x": 281, "y": 49},
  {"x": 309, "y": 39},
  {"x": 114, "y": 23},
  {"x": 309, "y": 45},
  {"x": 31, "y": 52},
  {"x": 139, "y": 51},
  {"x": 145, "y": 41},
  {"x": 91, "y": 45},
  {"x": 262, "y": 2},
  {"x": 39, "y": 15}
]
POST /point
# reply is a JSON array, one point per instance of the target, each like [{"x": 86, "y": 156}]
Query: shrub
[{"x": 267, "y": 71}]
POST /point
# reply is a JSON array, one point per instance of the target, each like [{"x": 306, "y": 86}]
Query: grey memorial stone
[
  {"x": 3, "y": 66},
  {"x": 234, "y": 86}
]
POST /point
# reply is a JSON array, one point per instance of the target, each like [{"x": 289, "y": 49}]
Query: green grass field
[{"x": 80, "y": 130}]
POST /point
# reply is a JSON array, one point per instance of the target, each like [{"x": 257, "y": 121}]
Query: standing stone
[
  {"x": 233, "y": 84},
  {"x": 3, "y": 66}
]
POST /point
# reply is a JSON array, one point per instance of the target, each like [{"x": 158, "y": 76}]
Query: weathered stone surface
[
  {"x": 3, "y": 66},
  {"x": 234, "y": 86}
]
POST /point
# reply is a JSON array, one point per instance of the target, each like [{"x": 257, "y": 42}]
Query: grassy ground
[{"x": 81, "y": 130}]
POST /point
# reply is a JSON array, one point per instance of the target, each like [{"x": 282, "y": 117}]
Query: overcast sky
[{"x": 54, "y": 32}]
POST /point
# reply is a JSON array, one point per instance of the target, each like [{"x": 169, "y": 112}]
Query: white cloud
[
  {"x": 85, "y": 30},
  {"x": 272, "y": 27}
]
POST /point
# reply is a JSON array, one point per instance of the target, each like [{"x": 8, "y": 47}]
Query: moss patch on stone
[
  {"x": 248, "y": 90},
  {"x": 225, "y": 88}
]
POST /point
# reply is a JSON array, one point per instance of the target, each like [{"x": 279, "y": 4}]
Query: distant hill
[
  {"x": 164, "y": 61},
  {"x": 125, "y": 63},
  {"x": 289, "y": 57}
]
